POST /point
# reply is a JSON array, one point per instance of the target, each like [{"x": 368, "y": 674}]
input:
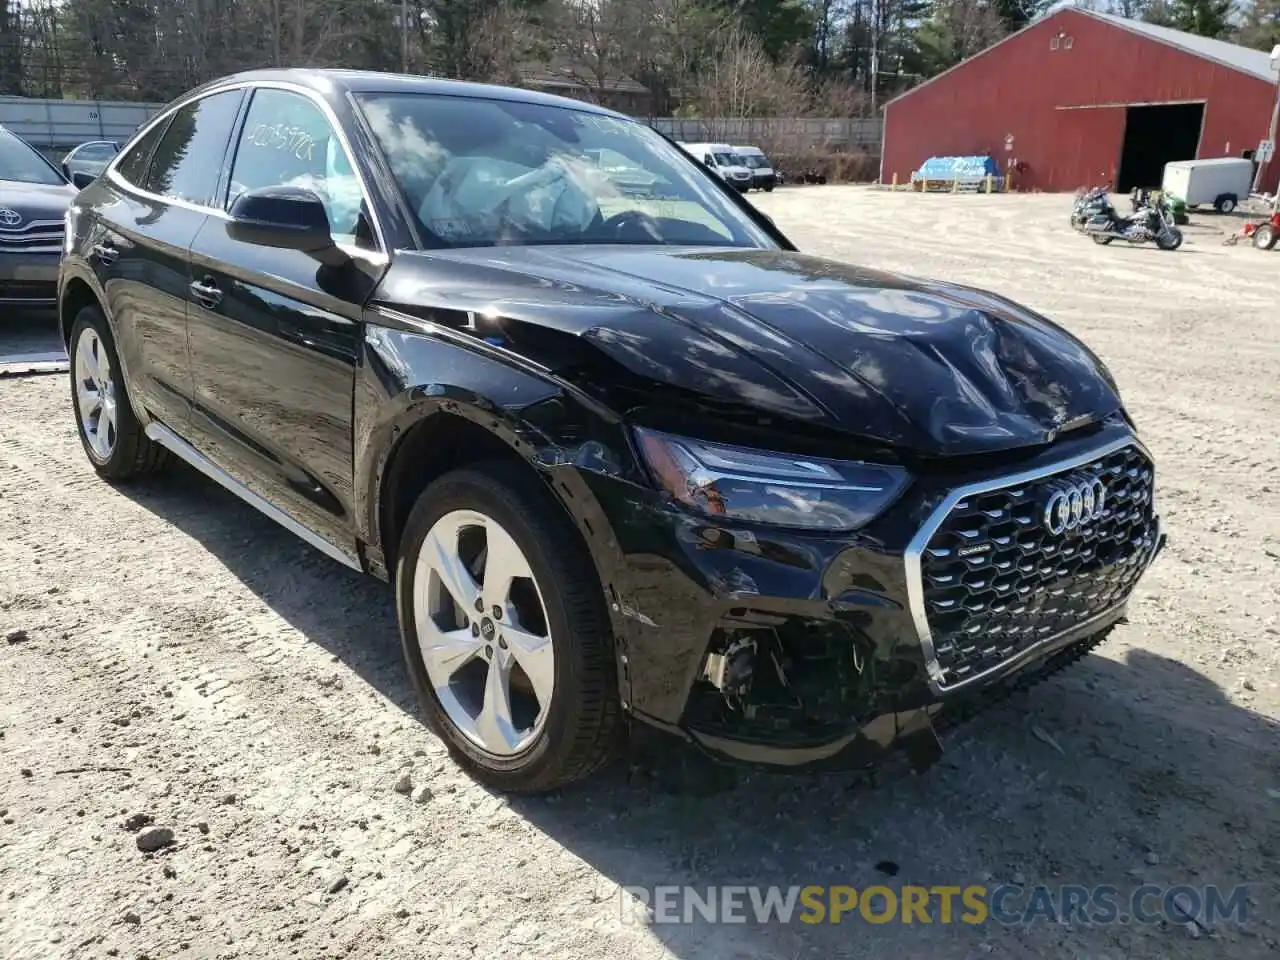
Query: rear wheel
[
  {"x": 505, "y": 631},
  {"x": 1264, "y": 238},
  {"x": 1101, "y": 239},
  {"x": 1225, "y": 203},
  {"x": 111, "y": 434}
]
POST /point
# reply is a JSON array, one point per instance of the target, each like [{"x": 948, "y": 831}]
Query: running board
[{"x": 180, "y": 448}]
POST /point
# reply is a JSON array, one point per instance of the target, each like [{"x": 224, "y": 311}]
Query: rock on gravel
[
  {"x": 336, "y": 883},
  {"x": 17, "y": 636},
  {"x": 404, "y": 783},
  {"x": 136, "y": 821},
  {"x": 154, "y": 838},
  {"x": 421, "y": 794}
]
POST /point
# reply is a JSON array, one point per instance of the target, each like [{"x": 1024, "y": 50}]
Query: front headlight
[{"x": 760, "y": 486}]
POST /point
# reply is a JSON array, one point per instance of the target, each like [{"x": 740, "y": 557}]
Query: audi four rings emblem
[
  {"x": 9, "y": 217},
  {"x": 1073, "y": 502}
]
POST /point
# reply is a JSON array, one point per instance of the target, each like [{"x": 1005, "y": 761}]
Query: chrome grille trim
[
  {"x": 938, "y": 680},
  {"x": 34, "y": 236},
  {"x": 30, "y": 225}
]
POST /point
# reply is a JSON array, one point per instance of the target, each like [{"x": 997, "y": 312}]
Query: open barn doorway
[{"x": 1155, "y": 135}]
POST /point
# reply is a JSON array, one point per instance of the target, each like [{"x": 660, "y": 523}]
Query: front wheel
[
  {"x": 1264, "y": 238},
  {"x": 1170, "y": 239},
  {"x": 505, "y": 631}
]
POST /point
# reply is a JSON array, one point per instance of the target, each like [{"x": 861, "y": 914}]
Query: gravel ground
[{"x": 172, "y": 657}]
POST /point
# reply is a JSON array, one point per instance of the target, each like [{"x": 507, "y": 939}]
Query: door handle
[
  {"x": 206, "y": 293},
  {"x": 105, "y": 253}
]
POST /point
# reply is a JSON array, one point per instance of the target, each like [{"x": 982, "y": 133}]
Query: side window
[
  {"x": 288, "y": 141},
  {"x": 133, "y": 165},
  {"x": 188, "y": 157}
]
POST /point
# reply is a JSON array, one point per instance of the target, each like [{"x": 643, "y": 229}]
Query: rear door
[
  {"x": 275, "y": 334},
  {"x": 157, "y": 198}
]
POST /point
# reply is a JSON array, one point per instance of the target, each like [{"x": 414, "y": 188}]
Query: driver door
[{"x": 275, "y": 334}]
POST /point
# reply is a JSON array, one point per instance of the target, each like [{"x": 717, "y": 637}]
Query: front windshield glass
[
  {"x": 491, "y": 172},
  {"x": 21, "y": 162},
  {"x": 755, "y": 161},
  {"x": 728, "y": 160}
]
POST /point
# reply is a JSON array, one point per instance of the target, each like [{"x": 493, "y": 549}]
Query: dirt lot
[{"x": 185, "y": 659}]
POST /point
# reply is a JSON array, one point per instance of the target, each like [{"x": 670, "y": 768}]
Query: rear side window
[
  {"x": 133, "y": 165},
  {"x": 189, "y": 156}
]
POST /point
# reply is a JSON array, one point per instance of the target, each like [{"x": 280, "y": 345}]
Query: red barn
[{"x": 1086, "y": 98}]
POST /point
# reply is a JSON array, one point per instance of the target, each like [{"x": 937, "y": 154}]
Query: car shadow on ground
[{"x": 1121, "y": 772}]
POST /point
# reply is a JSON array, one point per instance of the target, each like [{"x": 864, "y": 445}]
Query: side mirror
[
  {"x": 81, "y": 179},
  {"x": 709, "y": 163},
  {"x": 287, "y": 218}
]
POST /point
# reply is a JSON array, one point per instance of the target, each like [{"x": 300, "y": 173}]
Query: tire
[
  {"x": 122, "y": 451},
  {"x": 580, "y": 730},
  {"x": 1264, "y": 238},
  {"x": 1225, "y": 203},
  {"x": 1101, "y": 239},
  {"x": 768, "y": 188},
  {"x": 1169, "y": 240}
]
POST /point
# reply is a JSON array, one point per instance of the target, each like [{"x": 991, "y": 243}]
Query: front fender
[{"x": 412, "y": 375}]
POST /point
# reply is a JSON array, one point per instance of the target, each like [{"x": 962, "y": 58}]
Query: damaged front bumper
[{"x": 796, "y": 651}]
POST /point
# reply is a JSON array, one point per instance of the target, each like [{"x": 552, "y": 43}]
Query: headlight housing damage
[{"x": 760, "y": 486}]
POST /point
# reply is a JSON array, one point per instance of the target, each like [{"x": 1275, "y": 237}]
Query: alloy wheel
[
  {"x": 96, "y": 394},
  {"x": 483, "y": 633}
]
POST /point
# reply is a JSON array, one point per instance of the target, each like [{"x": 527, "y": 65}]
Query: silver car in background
[{"x": 89, "y": 159}]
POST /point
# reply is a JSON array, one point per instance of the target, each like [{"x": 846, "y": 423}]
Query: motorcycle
[
  {"x": 1088, "y": 203},
  {"x": 1142, "y": 196},
  {"x": 1152, "y": 221}
]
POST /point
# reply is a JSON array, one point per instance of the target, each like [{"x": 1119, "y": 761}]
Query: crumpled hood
[
  {"x": 33, "y": 201},
  {"x": 935, "y": 368}
]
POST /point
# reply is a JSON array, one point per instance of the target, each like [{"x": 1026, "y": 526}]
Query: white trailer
[{"x": 1222, "y": 182}]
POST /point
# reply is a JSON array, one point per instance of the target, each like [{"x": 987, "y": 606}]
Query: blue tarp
[{"x": 953, "y": 168}]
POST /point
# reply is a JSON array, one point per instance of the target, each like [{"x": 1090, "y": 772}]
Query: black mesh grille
[{"x": 997, "y": 581}]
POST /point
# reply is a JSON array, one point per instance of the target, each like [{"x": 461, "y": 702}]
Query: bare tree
[
  {"x": 741, "y": 81},
  {"x": 504, "y": 40}
]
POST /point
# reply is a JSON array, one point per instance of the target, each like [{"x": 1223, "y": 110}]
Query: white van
[
  {"x": 762, "y": 174},
  {"x": 720, "y": 159}
]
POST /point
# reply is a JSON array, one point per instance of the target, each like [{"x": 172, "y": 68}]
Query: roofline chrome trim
[
  {"x": 915, "y": 550},
  {"x": 162, "y": 435},
  {"x": 113, "y": 175}
]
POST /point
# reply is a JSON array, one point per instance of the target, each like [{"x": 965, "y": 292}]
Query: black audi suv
[{"x": 627, "y": 455}]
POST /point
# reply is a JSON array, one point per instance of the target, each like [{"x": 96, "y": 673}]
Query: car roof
[{"x": 335, "y": 83}]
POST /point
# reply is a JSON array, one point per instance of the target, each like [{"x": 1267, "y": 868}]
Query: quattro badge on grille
[{"x": 1073, "y": 502}]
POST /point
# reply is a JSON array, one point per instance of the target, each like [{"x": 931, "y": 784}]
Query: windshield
[
  {"x": 755, "y": 161},
  {"x": 94, "y": 151},
  {"x": 728, "y": 160},
  {"x": 492, "y": 172},
  {"x": 21, "y": 162}
]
